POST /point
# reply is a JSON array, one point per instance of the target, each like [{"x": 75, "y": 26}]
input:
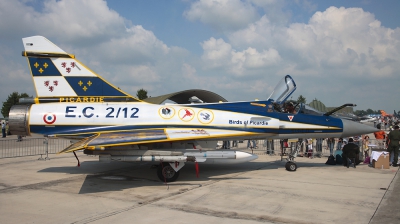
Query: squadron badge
[
  {"x": 166, "y": 112},
  {"x": 186, "y": 114},
  {"x": 205, "y": 116}
]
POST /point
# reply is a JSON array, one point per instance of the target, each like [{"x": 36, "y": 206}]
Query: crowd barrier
[
  {"x": 278, "y": 147},
  {"x": 32, "y": 146},
  {"x": 44, "y": 146}
]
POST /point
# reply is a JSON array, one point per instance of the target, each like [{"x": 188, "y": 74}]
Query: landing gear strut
[{"x": 291, "y": 165}]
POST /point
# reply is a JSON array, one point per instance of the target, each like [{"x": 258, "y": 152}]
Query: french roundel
[{"x": 49, "y": 118}]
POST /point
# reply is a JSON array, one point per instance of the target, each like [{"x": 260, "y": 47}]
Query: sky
[{"x": 337, "y": 51}]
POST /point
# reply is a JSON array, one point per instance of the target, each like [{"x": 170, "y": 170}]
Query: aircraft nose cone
[{"x": 351, "y": 128}]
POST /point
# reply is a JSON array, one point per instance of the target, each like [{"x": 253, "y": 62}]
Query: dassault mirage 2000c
[{"x": 74, "y": 102}]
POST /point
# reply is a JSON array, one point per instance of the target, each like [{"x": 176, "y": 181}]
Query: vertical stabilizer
[{"x": 57, "y": 75}]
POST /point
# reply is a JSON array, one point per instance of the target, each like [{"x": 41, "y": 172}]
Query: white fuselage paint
[{"x": 137, "y": 114}]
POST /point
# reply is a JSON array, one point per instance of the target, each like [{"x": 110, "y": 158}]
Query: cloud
[
  {"x": 76, "y": 19},
  {"x": 219, "y": 54},
  {"x": 338, "y": 45},
  {"x": 137, "y": 46},
  {"x": 97, "y": 35},
  {"x": 69, "y": 21},
  {"x": 13, "y": 76},
  {"x": 222, "y": 15},
  {"x": 336, "y": 39}
]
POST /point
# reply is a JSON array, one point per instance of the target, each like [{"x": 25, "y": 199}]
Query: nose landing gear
[{"x": 291, "y": 166}]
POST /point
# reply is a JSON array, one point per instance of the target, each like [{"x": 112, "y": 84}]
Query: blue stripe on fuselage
[{"x": 246, "y": 107}]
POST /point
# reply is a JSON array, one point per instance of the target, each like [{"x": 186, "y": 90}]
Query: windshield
[
  {"x": 283, "y": 90},
  {"x": 305, "y": 109}
]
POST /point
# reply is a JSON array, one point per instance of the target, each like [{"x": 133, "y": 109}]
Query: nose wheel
[{"x": 291, "y": 166}]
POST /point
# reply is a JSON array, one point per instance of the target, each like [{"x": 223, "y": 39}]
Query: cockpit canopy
[{"x": 283, "y": 90}]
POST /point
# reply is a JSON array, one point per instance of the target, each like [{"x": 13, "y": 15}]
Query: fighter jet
[
  {"x": 366, "y": 119},
  {"x": 74, "y": 102},
  {"x": 384, "y": 114}
]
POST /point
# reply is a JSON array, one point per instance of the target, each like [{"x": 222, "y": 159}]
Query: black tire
[
  {"x": 291, "y": 166},
  {"x": 166, "y": 173}
]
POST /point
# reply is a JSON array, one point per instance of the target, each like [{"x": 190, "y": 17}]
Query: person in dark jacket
[
  {"x": 3, "y": 129},
  {"x": 351, "y": 153},
  {"x": 393, "y": 143}
]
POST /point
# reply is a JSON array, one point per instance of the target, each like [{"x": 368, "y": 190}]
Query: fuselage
[{"x": 249, "y": 118}]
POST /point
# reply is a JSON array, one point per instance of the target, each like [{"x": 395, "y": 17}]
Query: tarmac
[{"x": 261, "y": 191}]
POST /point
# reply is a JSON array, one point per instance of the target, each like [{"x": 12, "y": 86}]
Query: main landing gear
[{"x": 166, "y": 173}]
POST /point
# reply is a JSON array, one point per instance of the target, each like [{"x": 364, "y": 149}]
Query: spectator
[
  {"x": 338, "y": 152},
  {"x": 254, "y": 144},
  {"x": 344, "y": 143},
  {"x": 319, "y": 146},
  {"x": 356, "y": 140},
  {"x": 226, "y": 145},
  {"x": 3, "y": 129},
  {"x": 301, "y": 145},
  {"x": 393, "y": 145},
  {"x": 338, "y": 156},
  {"x": 365, "y": 144},
  {"x": 378, "y": 126},
  {"x": 339, "y": 144},
  {"x": 7, "y": 128},
  {"x": 351, "y": 153},
  {"x": 270, "y": 147},
  {"x": 284, "y": 145},
  {"x": 380, "y": 137},
  {"x": 249, "y": 145},
  {"x": 234, "y": 143},
  {"x": 309, "y": 148},
  {"x": 331, "y": 145}
]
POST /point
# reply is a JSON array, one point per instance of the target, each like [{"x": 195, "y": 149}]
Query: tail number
[
  {"x": 124, "y": 112},
  {"x": 111, "y": 112}
]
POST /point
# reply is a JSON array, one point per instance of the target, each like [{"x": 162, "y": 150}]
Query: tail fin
[
  {"x": 58, "y": 76},
  {"x": 384, "y": 113}
]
